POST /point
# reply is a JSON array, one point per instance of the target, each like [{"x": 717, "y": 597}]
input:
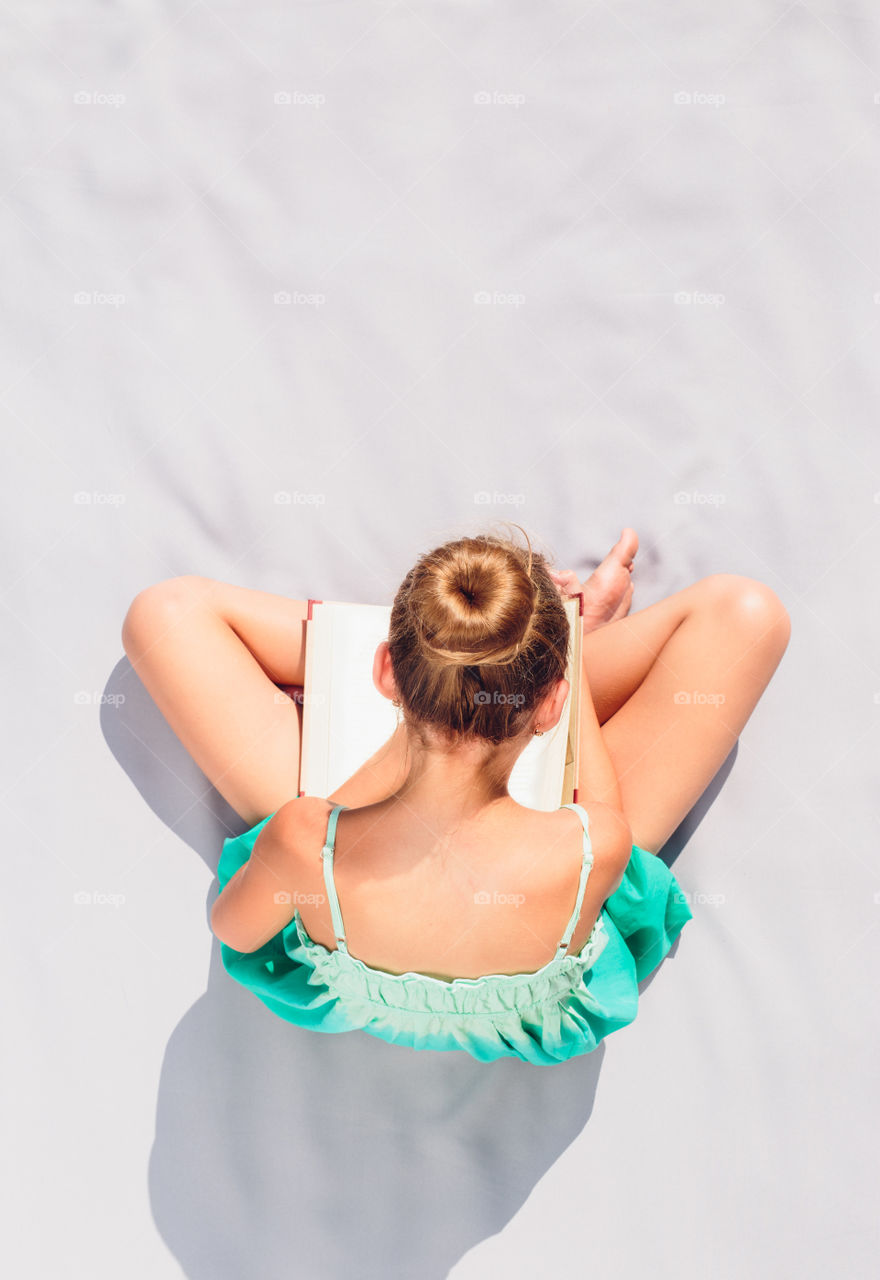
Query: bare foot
[{"x": 608, "y": 591}]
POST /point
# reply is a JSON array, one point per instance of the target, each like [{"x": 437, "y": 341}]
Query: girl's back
[{"x": 491, "y": 896}]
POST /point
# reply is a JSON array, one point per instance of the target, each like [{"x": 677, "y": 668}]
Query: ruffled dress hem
[{"x": 558, "y": 1012}]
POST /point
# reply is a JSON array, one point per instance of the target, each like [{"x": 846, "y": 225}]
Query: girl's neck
[{"x": 457, "y": 784}]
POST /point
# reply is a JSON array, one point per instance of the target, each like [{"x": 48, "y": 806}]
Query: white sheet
[{"x": 161, "y": 1122}]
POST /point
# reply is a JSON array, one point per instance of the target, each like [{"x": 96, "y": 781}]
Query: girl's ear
[
  {"x": 553, "y": 704},
  {"x": 383, "y": 676}
]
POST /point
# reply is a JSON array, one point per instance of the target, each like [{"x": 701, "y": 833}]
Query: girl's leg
[
  {"x": 673, "y": 686},
  {"x": 211, "y": 656}
]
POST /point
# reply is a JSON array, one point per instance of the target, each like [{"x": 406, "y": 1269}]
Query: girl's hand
[{"x": 567, "y": 581}]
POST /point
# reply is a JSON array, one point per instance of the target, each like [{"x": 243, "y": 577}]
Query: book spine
[
  {"x": 312, "y": 601},
  {"x": 574, "y": 791}
]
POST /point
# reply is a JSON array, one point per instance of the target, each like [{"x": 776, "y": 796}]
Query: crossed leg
[
  {"x": 674, "y": 684},
  {"x": 213, "y": 655}
]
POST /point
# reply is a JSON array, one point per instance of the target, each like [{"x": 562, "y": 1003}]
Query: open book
[{"x": 346, "y": 720}]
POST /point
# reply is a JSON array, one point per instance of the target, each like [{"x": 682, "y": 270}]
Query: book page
[
  {"x": 345, "y": 718},
  {"x": 537, "y": 777}
]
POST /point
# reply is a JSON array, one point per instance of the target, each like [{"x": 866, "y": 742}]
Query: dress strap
[
  {"x": 327, "y": 859},
  {"x": 586, "y": 866}
]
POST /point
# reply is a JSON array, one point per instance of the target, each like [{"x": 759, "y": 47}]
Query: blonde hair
[{"x": 478, "y": 636}]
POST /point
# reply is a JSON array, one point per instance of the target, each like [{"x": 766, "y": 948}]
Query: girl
[{"x": 419, "y": 902}]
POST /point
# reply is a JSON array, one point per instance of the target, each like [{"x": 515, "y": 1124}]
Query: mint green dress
[{"x": 550, "y": 1015}]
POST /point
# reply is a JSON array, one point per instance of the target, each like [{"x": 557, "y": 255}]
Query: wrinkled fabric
[{"x": 555, "y": 1013}]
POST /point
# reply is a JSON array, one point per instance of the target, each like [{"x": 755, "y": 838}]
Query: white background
[{"x": 160, "y": 1120}]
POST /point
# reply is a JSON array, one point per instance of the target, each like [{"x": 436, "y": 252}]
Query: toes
[{"x": 626, "y": 547}]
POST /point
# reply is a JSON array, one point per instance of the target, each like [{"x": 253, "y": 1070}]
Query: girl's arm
[{"x": 597, "y": 777}]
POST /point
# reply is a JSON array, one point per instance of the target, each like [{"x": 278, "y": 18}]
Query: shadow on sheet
[{"x": 280, "y": 1152}]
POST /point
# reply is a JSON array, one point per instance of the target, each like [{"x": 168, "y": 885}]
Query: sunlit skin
[{"x": 670, "y": 686}]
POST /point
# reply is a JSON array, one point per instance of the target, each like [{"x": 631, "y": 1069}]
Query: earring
[
  {"x": 395, "y": 703},
  {"x": 539, "y": 732}
]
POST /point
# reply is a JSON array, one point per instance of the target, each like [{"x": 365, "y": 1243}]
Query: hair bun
[
  {"x": 478, "y": 634},
  {"x": 475, "y": 606}
]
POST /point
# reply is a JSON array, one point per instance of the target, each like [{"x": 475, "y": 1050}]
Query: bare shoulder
[
  {"x": 301, "y": 824},
  {"x": 609, "y": 842},
  {"x": 610, "y": 838}
]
